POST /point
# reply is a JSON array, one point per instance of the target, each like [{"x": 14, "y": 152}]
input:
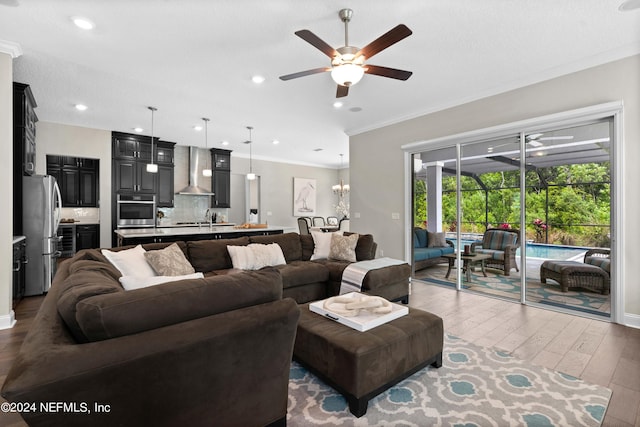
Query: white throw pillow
[
  {"x": 255, "y": 256},
  {"x": 130, "y": 262},
  {"x": 322, "y": 244},
  {"x": 132, "y": 282}
]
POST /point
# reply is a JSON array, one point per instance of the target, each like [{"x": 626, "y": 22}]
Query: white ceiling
[{"x": 195, "y": 58}]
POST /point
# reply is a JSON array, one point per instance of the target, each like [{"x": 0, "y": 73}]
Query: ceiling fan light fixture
[{"x": 347, "y": 74}]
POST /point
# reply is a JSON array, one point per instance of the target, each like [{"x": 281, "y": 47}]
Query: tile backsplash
[
  {"x": 86, "y": 215},
  {"x": 190, "y": 209}
]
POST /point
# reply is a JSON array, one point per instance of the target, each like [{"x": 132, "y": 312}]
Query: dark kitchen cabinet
[
  {"x": 19, "y": 264},
  {"x": 87, "y": 236},
  {"x": 130, "y": 146},
  {"x": 131, "y": 176},
  {"x": 164, "y": 197},
  {"x": 131, "y": 153},
  {"x": 24, "y": 146},
  {"x": 221, "y": 184},
  {"x": 164, "y": 157},
  {"x": 221, "y": 178},
  {"x": 24, "y": 127},
  {"x": 77, "y": 178}
]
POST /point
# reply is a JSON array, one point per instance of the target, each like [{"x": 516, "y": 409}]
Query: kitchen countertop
[
  {"x": 194, "y": 224},
  {"x": 82, "y": 222},
  {"x": 186, "y": 231}
]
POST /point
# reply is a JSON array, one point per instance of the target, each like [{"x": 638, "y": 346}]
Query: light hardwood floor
[{"x": 599, "y": 352}]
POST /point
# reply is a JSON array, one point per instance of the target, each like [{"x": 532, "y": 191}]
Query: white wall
[
  {"x": 378, "y": 195},
  {"x": 6, "y": 191},
  {"x": 276, "y": 188},
  {"x": 57, "y": 139}
]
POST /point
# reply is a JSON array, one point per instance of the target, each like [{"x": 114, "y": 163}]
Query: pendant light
[
  {"x": 250, "y": 176},
  {"x": 207, "y": 169},
  {"x": 152, "y": 167}
]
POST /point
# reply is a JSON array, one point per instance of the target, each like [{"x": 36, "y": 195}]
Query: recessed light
[
  {"x": 139, "y": 130},
  {"x": 275, "y": 142},
  {"x": 83, "y": 23},
  {"x": 197, "y": 128},
  {"x": 81, "y": 107},
  {"x": 355, "y": 109},
  {"x": 257, "y": 79},
  {"x": 338, "y": 104},
  {"x": 317, "y": 150},
  {"x": 225, "y": 142}
]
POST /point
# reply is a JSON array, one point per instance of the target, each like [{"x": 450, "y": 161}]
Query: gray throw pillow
[
  {"x": 436, "y": 240},
  {"x": 169, "y": 261}
]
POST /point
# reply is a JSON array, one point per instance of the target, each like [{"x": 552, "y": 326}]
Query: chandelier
[{"x": 340, "y": 189}]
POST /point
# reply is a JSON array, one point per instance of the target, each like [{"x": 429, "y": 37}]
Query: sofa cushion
[
  {"x": 211, "y": 255},
  {"x": 421, "y": 236},
  {"x": 322, "y": 244},
  {"x": 495, "y": 253},
  {"x": 421, "y": 254},
  {"x": 169, "y": 261},
  {"x": 87, "y": 278},
  {"x": 107, "y": 316},
  {"x": 130, "y": 283},
  {"x": 289, "y": 242},
  {"x": 498, "y": 239},
  {"x": 602, "y": 262},
  {"x": 366, "y": 247},
  {"x": 306, "y": 240},
  {"x": 298, "y": 273}
]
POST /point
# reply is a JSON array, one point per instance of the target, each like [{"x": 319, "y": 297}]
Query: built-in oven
[{"x": 135, "y": 211}]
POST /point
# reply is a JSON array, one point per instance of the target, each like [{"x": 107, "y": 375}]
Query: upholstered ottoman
[
  {"x": 573, "y": 274},
  {"x": 361, "y": 365}
]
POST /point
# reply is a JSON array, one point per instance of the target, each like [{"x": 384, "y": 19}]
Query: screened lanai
[{"x": 464, "y": 192}]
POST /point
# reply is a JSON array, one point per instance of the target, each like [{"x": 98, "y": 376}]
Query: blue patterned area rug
[
  {"x": 509, "y": 287},
  {"x": 475, "y": 386}
]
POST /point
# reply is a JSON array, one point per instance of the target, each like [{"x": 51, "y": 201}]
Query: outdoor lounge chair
[
  {"x": 501, "y": 244},
  {"x": 593, "y": 274}
]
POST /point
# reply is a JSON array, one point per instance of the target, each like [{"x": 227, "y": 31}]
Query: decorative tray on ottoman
[{"x": 365, "y": 320}]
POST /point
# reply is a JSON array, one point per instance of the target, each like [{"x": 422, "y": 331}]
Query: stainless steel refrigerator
[{"x": 41, "y": 211}]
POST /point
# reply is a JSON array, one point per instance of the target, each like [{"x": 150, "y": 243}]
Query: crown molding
[{"x": 10, "y": 48}]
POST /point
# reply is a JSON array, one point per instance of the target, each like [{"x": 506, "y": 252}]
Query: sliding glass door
[{"x": 527, "y": 215}]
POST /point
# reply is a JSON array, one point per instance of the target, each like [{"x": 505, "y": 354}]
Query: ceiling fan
[{"x": 348, "y": 62}]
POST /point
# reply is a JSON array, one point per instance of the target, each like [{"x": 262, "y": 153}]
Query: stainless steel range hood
[{"x": 193, "y": 189}]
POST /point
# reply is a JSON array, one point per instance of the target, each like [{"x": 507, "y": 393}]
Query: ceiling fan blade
[
  {"x": 384, "y": 41},
  {"x": 342, "y": 91},
  {"x": 317, "y": 42},
  {"x": 305, "y": 73},
  {"x": 393, "y": 73}
]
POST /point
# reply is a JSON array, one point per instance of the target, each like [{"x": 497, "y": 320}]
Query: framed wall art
[{"x": 304, "y": 197}]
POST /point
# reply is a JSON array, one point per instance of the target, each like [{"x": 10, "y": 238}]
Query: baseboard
[
  {"x": 632, "y": 320},
  {"x": 8, "y": 320}
]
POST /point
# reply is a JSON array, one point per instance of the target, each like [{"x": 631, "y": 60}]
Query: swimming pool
[{"x": 539, "y": 250}]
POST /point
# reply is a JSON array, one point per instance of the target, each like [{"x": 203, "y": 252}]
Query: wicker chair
[
  {"x": 502, "y": 245},
  {"x": 593, "y": 274}
]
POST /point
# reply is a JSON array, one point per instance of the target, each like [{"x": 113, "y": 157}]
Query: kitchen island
[{"x": 134, "y": 236}]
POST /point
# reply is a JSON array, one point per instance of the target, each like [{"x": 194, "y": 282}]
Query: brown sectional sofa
[{"x": 180, "y": 353}]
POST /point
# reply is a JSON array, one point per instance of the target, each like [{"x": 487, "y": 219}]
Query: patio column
[{"x": 434, "y": 195}]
